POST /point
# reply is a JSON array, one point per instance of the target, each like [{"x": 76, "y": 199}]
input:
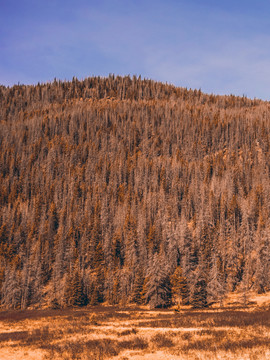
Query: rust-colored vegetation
[
  {"x": 130, "y": 333},
  {"x": 121, "y": 191}
]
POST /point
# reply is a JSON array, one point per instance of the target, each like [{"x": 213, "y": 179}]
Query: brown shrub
[
  {"x": 162, "y": 340},
  {"x": 128, "y": 332},
  {"x": 136, "y": 343},
  {"x": 14, "y": 336}
]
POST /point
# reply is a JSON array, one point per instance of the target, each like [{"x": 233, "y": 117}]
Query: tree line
[{"x": 124, "y": 190}]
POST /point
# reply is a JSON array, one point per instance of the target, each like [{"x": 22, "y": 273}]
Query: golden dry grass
[{"x": 136, "y": 333}]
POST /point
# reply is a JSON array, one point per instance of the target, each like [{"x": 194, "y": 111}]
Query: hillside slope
[{"x": 128, "y": 190}]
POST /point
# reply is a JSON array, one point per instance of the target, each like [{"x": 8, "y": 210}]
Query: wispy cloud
[
  {"x": 217, "y": 48},
  {"x": 239, "y": 67}
]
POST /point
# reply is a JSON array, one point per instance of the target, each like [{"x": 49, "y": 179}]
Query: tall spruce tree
[
  {"x": 158, "y": 288},
  {"x": 180, "y": 292}
]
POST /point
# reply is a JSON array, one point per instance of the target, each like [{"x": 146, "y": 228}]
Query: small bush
[
  {"x": 136, "y": 343},
  {"x": 128, "y": 332},
  {"x": 162, "y": 340}
]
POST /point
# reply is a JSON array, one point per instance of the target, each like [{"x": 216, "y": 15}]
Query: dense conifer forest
[{"x": 123, "y": 190}]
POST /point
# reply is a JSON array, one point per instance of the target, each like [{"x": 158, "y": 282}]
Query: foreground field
[{"x": 135, "y": 333}]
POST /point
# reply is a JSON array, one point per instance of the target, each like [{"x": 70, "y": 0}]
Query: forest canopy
[{"x": 123, "y": 190}]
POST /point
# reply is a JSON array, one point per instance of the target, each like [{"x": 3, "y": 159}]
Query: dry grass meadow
[{"x": 106, "y": 332}]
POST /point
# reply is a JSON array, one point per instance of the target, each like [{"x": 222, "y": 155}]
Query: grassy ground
[{"x": 136, "y": 333}]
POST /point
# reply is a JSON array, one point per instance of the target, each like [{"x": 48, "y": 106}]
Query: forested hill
[{"x": 125, "y": 190}]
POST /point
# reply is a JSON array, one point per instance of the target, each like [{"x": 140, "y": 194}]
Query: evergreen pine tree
[
  {"x": 180, "y": 292},
  {"x": 94, "y": 297},
  {"x": 216, "y": 285},
  {"x": 74, "y": 295},
  {"x": 199, "y": 299},
  {"x": 137, "y": 295},
  {"x": 78, "y": 298},
  {"x": 158, "y": 290}
]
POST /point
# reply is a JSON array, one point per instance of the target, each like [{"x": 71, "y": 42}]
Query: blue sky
[{"x": 222, "y": 47}]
